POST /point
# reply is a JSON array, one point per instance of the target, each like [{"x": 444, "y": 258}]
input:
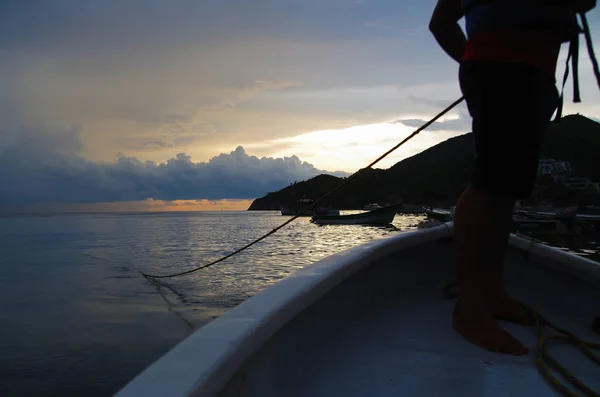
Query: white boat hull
[
  {"x": 381, "y": 216},
  {"x": 372, "y": 220},
  {"x": 371, "y": 321}
]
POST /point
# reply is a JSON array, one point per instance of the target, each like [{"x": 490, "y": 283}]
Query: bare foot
[
  {"x": 477, "y": 325},
  {"x": 504, "y": 307},
  {"x": 500, "y": 304},
  {"x": 509, "y": 309}
]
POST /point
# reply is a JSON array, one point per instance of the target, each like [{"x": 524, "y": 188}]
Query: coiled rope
[
  {"x": 545, "y": 361},
  {"x": 347, "y": 181}
]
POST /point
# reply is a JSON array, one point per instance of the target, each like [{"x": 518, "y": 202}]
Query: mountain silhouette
[{"x": 438, "y": 175}]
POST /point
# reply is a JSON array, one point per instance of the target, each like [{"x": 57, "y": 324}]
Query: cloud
[
  {"x": 434, "y": 103},
  {"x": 149, "y": 205},
  {"x": 145, "y": 143},
  {"x": 258, "y": 87},
  {"x": 461, "y": 123},
  {"x": 377, "y": 23},
  {"x": 354, "y": 147},
  {"x": 155, "y": 78},
  {"x": 144, "y": 76},
  {"x": 38, "y": 165}
]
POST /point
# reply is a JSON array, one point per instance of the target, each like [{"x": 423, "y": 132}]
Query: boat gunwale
[
  {"x": 577, "y": 266},
  {"x": 228, "y": 341},
  {"x": 204, "y": 362}
]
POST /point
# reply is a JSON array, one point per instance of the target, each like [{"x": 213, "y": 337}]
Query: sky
[{"x": 196, "y": 104}]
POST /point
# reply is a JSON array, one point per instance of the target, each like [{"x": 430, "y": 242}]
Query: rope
[
  {"x": 170, "y": 306},
  {"x": 544, "y": 360},
  {"x": 348, "y": 180}
]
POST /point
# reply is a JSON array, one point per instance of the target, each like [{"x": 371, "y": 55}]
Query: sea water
[{"x": 78, "y": 319}]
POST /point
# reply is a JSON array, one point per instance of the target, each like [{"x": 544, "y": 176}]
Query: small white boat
[
  {"x": 371, "y": 207},
  {"x": 546, "y": 226},
  {"x": 301, "y": 207},
  {"x": 593, "y": 220},
  {"x": 380, "y": 216},
  {"x": 565, "y": 222},
  {"x": 372, "y": 321},
  {"x": 441, "y": 214}
]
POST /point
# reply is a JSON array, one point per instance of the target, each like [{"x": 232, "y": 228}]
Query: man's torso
[{"x": 533, "y": 48}]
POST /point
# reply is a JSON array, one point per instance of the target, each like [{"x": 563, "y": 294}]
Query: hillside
[
  {"x": 576, "y": 139},
  {"x": 439, "y": 174}
]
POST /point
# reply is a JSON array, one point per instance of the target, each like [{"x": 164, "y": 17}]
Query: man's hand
[{"x": 446, "y": 30}]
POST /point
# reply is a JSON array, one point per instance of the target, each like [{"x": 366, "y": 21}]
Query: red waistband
[{"x": 539, "y": 50}]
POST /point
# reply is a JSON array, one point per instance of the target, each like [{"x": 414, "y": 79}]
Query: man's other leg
[{"x": 507, "y": 106}]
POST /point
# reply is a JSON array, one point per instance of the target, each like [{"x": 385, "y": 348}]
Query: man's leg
[
  {"x": 500, "y": 304},
  {"x": 480, "y": 238},
  {"x": 510, "y": 114}
]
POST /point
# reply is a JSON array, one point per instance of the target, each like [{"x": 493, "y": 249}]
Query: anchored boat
[
  {"x": 564, "y": 223},
  {"x": 381, "y": 216},
  {"x": 440, "y": 214},
  {"x": 372, "y": 206},
  {"x": 373, "y": 321},
  {"x": 302, "y": 207}
]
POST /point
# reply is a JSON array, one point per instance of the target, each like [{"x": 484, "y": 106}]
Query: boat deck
[{"x": 386, "y": 332}]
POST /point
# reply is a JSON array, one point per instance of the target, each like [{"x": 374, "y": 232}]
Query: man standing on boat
[{"x": 507, "y": 76}]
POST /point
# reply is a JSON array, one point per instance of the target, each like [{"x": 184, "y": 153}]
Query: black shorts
[{"x": 511, "y": 105}]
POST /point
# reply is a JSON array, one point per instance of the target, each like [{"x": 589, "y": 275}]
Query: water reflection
[
  {"x": 220, "y": 287},
  {"x": 390, "y": 227}
]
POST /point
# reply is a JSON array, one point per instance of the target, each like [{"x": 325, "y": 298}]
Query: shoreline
[{"x": 407, "y": 208}]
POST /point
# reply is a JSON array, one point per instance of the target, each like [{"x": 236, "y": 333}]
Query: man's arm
[{"x": 446, "y": 30}]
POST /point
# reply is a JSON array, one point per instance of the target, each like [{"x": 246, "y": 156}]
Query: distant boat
[
  {"x": 590, "y": 210},
  {"x": 440, "y": 214},
  {"x": 564, "y": 223},
  {"x": 593, "y": 220},
  {"x": 566, "y": 219},
  {"x": 372, "y": 206},
  {"x": 589, "y": 221},
  {"x": 302, "y": 204},
  {"x": 380, "y": 216}
]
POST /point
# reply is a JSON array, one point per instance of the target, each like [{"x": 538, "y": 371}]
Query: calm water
[{"x": 78, "y": 319}]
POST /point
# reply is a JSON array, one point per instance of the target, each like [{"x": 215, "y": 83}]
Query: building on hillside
[{"x": 560, "y": 171}]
